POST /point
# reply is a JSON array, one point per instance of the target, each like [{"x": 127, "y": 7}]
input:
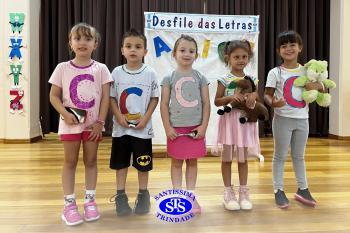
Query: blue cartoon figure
[{"x": 16, "y": 45}]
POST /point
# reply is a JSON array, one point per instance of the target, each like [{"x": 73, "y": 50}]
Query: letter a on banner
[{"x": 160, "y": 46}]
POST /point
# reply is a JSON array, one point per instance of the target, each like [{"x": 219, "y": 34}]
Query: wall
[
  {"x": 20, "y": 126},
  {"x": 339, "y": 117}
]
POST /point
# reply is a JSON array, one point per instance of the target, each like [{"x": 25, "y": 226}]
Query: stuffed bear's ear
[
  {"x": 324, "y": 63},
  {"x": 309, "y": 63}
]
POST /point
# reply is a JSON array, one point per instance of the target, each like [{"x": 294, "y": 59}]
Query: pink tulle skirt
[{"x": 243, "y": 138}]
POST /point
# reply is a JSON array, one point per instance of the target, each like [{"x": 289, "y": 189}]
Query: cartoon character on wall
[
  {"x": 16, "y": 104},
  {"x": 16, "y": 72},
  {"x": 17, "y": 22},
  {"x": 16, "y": 45}
]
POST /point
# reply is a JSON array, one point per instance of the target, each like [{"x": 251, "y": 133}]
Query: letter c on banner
[
  {"x": 160, "y": 46},
  {"x": 288, "y": 96},
  {"x": 178, "y": 94}
]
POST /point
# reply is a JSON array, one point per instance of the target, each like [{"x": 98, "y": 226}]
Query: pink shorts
[
  {"x": 77, "y": 136},
  {"x": 185, "y": 147}
]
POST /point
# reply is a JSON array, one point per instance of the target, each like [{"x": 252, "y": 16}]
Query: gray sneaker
[
  {"x": 121, "y": 205},
  {"x": 281, "y": 199},
  {"x": 142, "y": 203}
]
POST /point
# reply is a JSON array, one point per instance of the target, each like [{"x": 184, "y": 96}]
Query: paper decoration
[
  {"x": 16, "y": 72},
  {"x": 17, "y": 22},
  {"x": 16, "y": 45},
  {"x": 16, "y": 104}
]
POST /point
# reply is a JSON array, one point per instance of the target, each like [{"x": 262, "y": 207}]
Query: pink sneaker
[
  {"x": 244, "y": 200},
  {"x": 71, "y": 215},
  {"x": 230, "y": 200},
  {"x": 196, "y": 208},
  {"x": 91, "y": 212}
]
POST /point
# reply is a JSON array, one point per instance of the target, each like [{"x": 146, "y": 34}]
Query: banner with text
[{"x": 211, "y": 32}]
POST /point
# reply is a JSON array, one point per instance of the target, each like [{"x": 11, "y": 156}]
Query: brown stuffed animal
[{"x": 259, "y": 111}]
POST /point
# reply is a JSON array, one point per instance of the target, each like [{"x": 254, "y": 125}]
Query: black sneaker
[
  {"x": 121, "y": 205},
  {"x": 281, "y": 199},
  {"x": 142, "y": 203},
  {"x": 304, "y": 196}
]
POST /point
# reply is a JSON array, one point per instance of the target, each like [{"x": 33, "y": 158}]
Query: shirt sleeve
[
  {"x": 271, "y": 80},
  {"x": 222, "y": 81},
  {"x": 106, "y": 75},
  {"x": 56, "y": 76},
  {"x": 204, "y": 80},
  {"x": 166, "y": 81},
  {"x": 155, "y": 86},
  {"x": 113, "y": 89}
]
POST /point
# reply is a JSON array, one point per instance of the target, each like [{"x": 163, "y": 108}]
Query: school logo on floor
[{"x": 174, "y": 205}]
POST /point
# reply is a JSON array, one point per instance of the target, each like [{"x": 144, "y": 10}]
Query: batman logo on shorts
[{"x": 144, "y": 160}]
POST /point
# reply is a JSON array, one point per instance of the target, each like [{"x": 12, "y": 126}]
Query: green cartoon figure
[
  {"x": 15, "y": 72},
  {"x": 16, "y": 21}
]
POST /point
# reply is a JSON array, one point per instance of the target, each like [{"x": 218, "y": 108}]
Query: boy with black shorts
[{"x": 134, "y": 96}]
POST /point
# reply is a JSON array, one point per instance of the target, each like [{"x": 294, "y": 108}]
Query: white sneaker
[
  {"x": 244, "y": 200},
  {"x": 230, "y": 200}
]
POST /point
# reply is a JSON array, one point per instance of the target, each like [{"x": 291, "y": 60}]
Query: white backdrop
[{"x": 163, "y": 29}]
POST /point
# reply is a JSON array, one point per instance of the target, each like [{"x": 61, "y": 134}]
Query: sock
[
  {"x": 89, "y": 195},
  {"x": 121, "y": 191},
  {"x": 228, "y": 188},
  {"x": 192, "y": 191},
  {"x": 302, "y": 188},
  {"x": 276, "y": 190},
  {"x": 143, "y": 191},
  {"x": 69, "y": 199}
]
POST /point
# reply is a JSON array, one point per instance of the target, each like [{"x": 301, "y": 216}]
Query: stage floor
[{"x": 31, "y": 193}]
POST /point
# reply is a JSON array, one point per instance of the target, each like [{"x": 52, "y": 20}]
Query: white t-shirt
[
  {"x": 282, "y": 80},
  {"x": 133, "y": 90}
]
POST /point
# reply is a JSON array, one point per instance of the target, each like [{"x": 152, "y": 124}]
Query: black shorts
[{"x": 141, "y": 149}]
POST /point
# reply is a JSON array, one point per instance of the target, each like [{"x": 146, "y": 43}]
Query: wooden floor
[{"x": 31, "y": 195}]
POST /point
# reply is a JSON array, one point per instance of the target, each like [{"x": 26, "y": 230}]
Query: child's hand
[
  {"x": 250, "y": 99},
  {"x": 237, "y": 99},
  {"x": 121, "y": 119},
  {"x": 96, "y": 131},
  {"x": 277, "y": 103},
  {"x": 200, "y": 131},
  {"x": 141, "y": 123},
  {"x": 70, "y": 119},
  {"x": 171, "y": 133}
]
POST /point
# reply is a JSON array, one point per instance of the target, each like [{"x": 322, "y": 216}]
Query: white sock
[
  {"x": 89, "y": 195},
  {"x": 69, "y": 199},
  {"x": 275, "y": 190},
  {"x": 192, "y": 191}
]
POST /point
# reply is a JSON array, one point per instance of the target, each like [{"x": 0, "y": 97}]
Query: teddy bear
[
  {"x": 244, "y": 86},
  {"x": 315, "y": 83}
]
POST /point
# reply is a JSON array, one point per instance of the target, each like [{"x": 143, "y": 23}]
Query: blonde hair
[
  {"x": 84, "y": 29},
  {"x": 185, "y": 37}
]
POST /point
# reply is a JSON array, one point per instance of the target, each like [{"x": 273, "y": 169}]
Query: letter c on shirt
[
  {"x": 73, "y": 90},
  {"x": 288, "y": 95},
  {"x": 178, "y": 94}
]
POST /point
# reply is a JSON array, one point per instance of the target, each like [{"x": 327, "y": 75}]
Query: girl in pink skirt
[
  {"x": 185, "y": 109},
  {"x": 234, "y": 137}
]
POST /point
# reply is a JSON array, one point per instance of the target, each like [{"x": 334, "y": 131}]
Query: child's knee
[{"x": 191, "y": 162}]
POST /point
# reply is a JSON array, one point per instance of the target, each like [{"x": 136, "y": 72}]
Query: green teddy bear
[{"x": 315, "y": 83}]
